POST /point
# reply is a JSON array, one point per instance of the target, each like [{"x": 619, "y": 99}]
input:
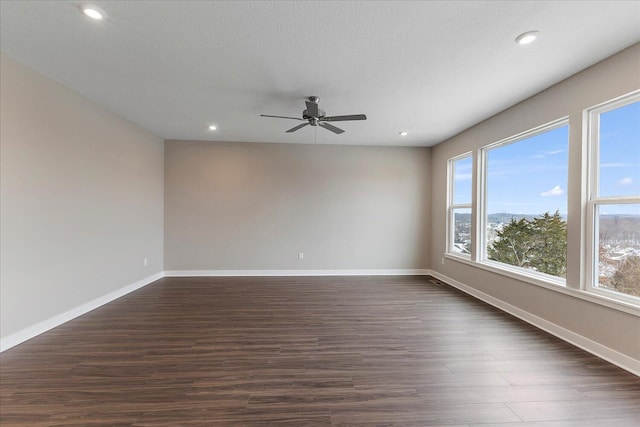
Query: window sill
[{"x": 548, "y": 282}]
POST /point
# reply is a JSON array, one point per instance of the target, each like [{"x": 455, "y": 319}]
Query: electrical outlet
[
  {"x": 145, "y": 262},
  {"x": 300, "y": 255},
  {"x": 442, "y": 260}
]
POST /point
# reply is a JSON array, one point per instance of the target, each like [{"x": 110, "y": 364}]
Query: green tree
[
  {"x": 539, "y": 244},
  {"x": 626, "y": 279},
  {"x": 513, "y": 244},
  {"x": 550, "y": 253}
]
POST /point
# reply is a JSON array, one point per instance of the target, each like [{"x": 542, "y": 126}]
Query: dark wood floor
[{"x": 355, "y": 351}]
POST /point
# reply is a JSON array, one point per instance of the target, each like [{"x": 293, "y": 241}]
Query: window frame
[
  {"x": 481, "y": 244},
  {"x": 451, "y": 206},
  {"x": 591, "y": 121}
]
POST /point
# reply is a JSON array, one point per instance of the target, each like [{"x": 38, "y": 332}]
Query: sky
[
  {"x": 620, "y": 151},
  {"x": 530, "y": 176}
]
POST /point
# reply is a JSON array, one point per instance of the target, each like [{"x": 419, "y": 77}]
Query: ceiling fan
[{"x": 314, "y": 116}]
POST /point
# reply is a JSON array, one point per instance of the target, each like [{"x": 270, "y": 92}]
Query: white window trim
[
  {"x": 481, "y": 246},
  {"x": 604, "y": 300},
  {"x": 451, "y": 207},
  {"x": 603, "y": 297},
  {"x": 591, "y": 117}
]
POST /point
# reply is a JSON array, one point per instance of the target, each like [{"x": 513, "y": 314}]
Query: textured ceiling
[{"x": 431, "y": 68}]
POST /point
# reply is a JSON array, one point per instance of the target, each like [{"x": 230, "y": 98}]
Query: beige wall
[
  {"x": 611, "y": 78},
  {"x": 244, "y": 206},
  {"x": 81, "y": 200}
]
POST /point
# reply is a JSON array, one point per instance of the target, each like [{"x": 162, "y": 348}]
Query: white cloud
[
  {"x": 626, "y": 181},
  {"x": 546, "y": 153},
  {"x": 555, "y": 191},
  {"x": 615, "y": 165}
]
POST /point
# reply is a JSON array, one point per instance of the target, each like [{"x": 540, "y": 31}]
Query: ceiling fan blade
[
  {"x": 298, "y": 127},
  {"x": 312, "y": 108},
  {"x": 344, "y": 118},
  {"x": 331, "y": 128},
  {"x": 281, "y": 117}
]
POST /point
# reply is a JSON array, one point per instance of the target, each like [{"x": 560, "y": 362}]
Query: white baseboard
[
  {"x": 253, "y": 273},
  {"x": 41, "y": 327},
  {"x": 623, "y": 361}
]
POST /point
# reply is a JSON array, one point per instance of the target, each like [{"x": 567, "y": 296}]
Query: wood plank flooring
[{"x": 301, "y": 351}]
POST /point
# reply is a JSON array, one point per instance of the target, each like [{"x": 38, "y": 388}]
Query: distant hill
[
  {"x": 496, "y": 217},
  {"x": 620, "y": 228},
  {"x": 507, "y": 217}
]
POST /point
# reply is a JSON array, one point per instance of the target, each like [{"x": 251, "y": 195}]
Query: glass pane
[
  {"x": 619, "y": 146},
  {"x": 462, "y": 181},
  {"x": 527, "y": 202},
  {"x": 619, "y": 248},
  {"x": 461, "y": 242}
]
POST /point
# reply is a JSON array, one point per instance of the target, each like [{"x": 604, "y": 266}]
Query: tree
[
  {"x": 539, "y": 244},
  {"x": 513, "y": 244},
  {"x": 626, "y": 279},
  {"x": 550, "y": 233}
]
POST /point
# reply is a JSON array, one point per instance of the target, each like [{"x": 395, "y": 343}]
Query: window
[
  {"x": 459, "y": 230},
  {"x": 524, "y": 213},
  {"x": 614, "y": 198}
]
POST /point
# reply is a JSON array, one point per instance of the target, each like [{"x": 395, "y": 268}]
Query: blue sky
[
  {"x": 462, "y": 174},
  {"x": 620, "y": 151},
  {"x": 530, "y": 176}
]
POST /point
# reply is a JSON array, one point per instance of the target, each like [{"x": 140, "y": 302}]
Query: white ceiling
[{"x": 432, "y": 68}]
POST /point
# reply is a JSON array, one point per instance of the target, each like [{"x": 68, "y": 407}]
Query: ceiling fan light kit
[{"x": 314, "y": 116}]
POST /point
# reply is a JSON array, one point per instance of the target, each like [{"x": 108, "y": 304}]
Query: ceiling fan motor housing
[{"x": 306, "y": 115}]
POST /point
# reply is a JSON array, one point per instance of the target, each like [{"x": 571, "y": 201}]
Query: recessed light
[
  {"x": 403, "y": 133},
  {"x": 93, "y": 12},
  {"x": 212, "y": 127},
  {"x": 528, "y": 37}
]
